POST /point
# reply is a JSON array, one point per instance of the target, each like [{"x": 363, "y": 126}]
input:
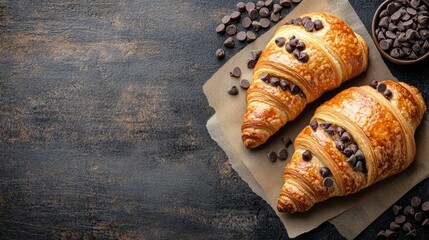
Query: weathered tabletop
[{"x": 103, "y": 124}]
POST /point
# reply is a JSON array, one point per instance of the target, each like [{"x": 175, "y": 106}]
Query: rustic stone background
[{"x": 103, "y": 124}]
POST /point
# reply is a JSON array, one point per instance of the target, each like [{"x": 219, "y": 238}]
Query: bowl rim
[{"x": 375, "y": 20}]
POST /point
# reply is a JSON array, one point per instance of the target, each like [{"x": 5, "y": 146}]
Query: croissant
[
  {"x": 307, "y": 57},
  {"x": 359, "y": 137}
]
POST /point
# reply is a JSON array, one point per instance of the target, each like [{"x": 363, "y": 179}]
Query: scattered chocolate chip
[
  {"x": 236, "y": 72},
  {"x": 264, "y": 12},
  {"x": 241, "y": 7},
  {"x": 313, "y": 125},
  {"x": 251, "y": 63},
  {"x": 325, "y": 172},
  {"x": 235, "y": 15},
  {"x": 246, "y": 22},
  {"x": 418, "y": 216},
  {"x": 425, "y": 223},
  {"x": 253, "y": 14},
  {"x": 400, "y": 219},
  {"x": 425, "y": 206},
  {"x": 265, "y": 22},
  {"x": 244, "y": 83},
  {"x": 381, "y": 235},
  {"x": 285, "y": 3},
  {"x": 390, "y": 234},
  {"x": 260, "y": 4},
  {"x": 396, "y": 209},
  {"x": 407, "y": 227},
  {"x": 272, "y": 156},
  {"x": 220, "y": 28},
  {"x": 241, "y": 36},
  {"x": 233, "y": 90},
  {"x": 256, "y": 25},
  {"x": 249, "y": 6},
  {"x": 409, "y": 210},
  {"x": 287, "y": 141},
  {"x": 231, "y": 30},
  {"x": 220, "y": 53},
  {"x": 282, "y": 154},
  {"x": 255, "y": 54},
  {"x": 306, "y": 155},
  {"x": 394, "y": 226},
  {"x": 251, "y": 36},
  {"x": 229, "y": 42},
  {"x": 416, "y": 201},
  {"x": 412, "y": 234},
  {"x": 328, "y": 182},
  {"x": 275, "y": 17},
  {"x": 226, "y": 20}
]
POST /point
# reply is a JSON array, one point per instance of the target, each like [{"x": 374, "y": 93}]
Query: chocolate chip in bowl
[{"x": 400, "y": 30}]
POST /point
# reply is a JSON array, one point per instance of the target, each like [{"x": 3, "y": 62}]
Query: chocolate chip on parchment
[
  {"x": 251, "y": 63},
  {"x": 236, "y": 72},
  {"x": 244, "y": 83},
  {"x": 220, "y": 53},
  {"x": 272, "y": 156},
  {"x": 282, "y": 154},
  {"x": 287, "y": 141},
  {"x": 233, "y": 90},
  {"x": 255, "y": 54}
]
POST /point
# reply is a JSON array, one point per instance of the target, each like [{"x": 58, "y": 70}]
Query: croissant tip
[
  {"x": 285, "y": 208},
  {"x": 250, "y": 143}
]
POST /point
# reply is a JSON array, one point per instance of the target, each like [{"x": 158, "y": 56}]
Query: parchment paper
[{"x": 350, "y": 214}]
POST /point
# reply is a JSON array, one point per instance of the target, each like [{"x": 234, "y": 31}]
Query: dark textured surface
[{"x": 103, "y": 125}]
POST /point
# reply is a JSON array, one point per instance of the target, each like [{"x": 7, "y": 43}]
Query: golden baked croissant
[
  {"x": 361, "y": 136},
  {"x": 306, "y": 57}
]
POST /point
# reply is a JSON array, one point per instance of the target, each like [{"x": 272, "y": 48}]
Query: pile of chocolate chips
[
  {"x": 403, "y": 29},
  {"x": 381, "y": 88},
  {"x": 282, "y": 153},
  {"x": 344, "y": 142},
  {"x": 294, "y": 46},
  {"x": 284, "y": 84},
  {"x": 248, "y": 19},
  {"x": 407, "y": 220},
  {"x": 236, "y": 72}
]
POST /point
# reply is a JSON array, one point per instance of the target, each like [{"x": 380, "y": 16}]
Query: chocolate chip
[
  {"x": 231, "y": 29},
  {"x": 265, "y": 77},
  {"x": 407, "y": 227},
  {"x": 277, "y": 8},
  {"x": 280, "y": 41},
  {"x": 330, "y": 131},
  {"x": 272, "y": 156},
  {"x": 395, "y": 16},
  {"x": 287, "y": 141},
  {"x": 381, "y": 87},
  {"x": 409, "y": 210},
  {"x": 306, "y": 19},
  {"x": 300, "y": 46},
  {"x": 285, "y": 3},
  {"x": 410, "y": 34},
  {"x": 244, "y": 83},
  {"x": 411, "y": 234},
  {"x": 296, "y": 53},
  {"x": 388, "y": 94},
  {"x": 359, "y": 155},
  {"x": 236, "y": 72},
  {"x": 233, "y": 90},
  {"x": 411, "y": 11},
  {"x": 241, "y": 6},
  {"x": 220, "y": 53},
  {"x": 251, "y": 63},
  {"x": 256, "y": 54},
  {"x": 339, "y": 145},
  {"x": 260, "y": 4},
  {"x": 394, "y": 226},
  {"x": 296, "y": 1},
  {"x": 325, "y": 125},
  {"x": 345, "y": 137},
  {"x": 390, "y": 35},
  {"x": 275, "y": 81},
  {"x": 414, "y": 3},
  {"x": 265, "y": 22},
  {"x": 400, "y": 219},
  {"x": 303, "y": 57},
  {"x": 289, "y": 48},
  {"x": 275, "y": 17},
  {"x": 284, "y": 84},
  {"x": 313, "y": 125},
  {"x": 373, "y": 84},
  {"x": 306, "y": 155},
  {"x": 349, "y": 150},
  {"x": 416, "y": 201},
  {"x": 385, "y": 44},
  {"x": 340, "y": 131},
  {"x": 380, "y": 36},
  {"x": 241, "y": 36},
  {"x": 359, "y": 167},
  {"x": 249, "y": 6},
  {"x": 229, "y": 42},
  {"x": 220, "y": 28},
  {"x": 390, "y": 234},
  {"x": 289, "y": 21},
  {"x": 235, "y": 15},
  {"x": 293, "y": 42},
  {"x": 251, "y": 36},
  {"x": 328, "y": 182},
  {"x": 391, "y": 8},
  {"x": 418, "y": 216},
  {"x": 396, "y": 209},
  {"x": 412, "y": 55},
  {"x": 226, "y": 20},
  {"x": 282, "y": 154},
  {"x": 425, "y": 206},
  {"x": 406, "y": 17},
  {"x": 297, "y": 21},
  {"x": 256, "y": 25},
  {"x": 325, "y": 172},
  {"x": 309, "y": 25},
  {"x": 253, "y": 14},
  {"x": 246, "y": 22},
  {"x": 295, "y": 89},
  {"x": 381, "y": 235}
]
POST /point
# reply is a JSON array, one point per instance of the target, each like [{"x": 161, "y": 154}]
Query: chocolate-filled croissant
[
  {"x": 306, "y": 58},
  {"x": 361, "y": 136}
]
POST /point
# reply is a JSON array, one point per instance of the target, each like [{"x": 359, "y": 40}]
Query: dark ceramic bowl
[{"x": 385, "y": 54}]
